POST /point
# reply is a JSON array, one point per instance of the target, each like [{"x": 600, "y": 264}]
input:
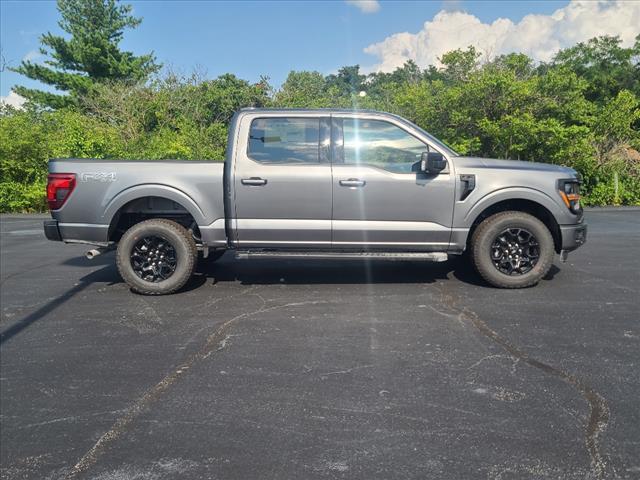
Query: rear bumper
[
  {"x": 573, "y": 236},
  {"x": 51, "y": 230}
]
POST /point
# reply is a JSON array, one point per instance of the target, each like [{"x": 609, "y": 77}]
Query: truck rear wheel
[
  {"x": 156, "y": 257},
  {"x": 512, "y": 250}
]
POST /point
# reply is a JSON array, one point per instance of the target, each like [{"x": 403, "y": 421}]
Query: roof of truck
[{"x": 314, "y": 110}]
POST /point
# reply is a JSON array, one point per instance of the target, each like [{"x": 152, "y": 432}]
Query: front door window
[{"x": 380, "y": 144}]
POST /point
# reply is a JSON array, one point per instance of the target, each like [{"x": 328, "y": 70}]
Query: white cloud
[
  {"x": 539, "y": 36},
  {"x": 13, "y": 99},
  {"x": 365, "y": 6}
]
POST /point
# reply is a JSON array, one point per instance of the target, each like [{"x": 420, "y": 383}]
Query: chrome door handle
[
  {"x": 352, "y": 182},
  {"x": 253, "y": 181}
]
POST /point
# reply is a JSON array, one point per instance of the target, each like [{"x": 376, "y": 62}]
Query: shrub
[
  {"x": 25, "y": 145},
  {"x": 21, "y": 197},
  {"x": 604, "y": 192}
]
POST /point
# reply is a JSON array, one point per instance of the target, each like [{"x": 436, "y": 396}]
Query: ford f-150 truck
[{"x": 334, "y": 184}]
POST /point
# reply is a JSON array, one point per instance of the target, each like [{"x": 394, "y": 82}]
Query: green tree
[
  {"x": 407, "y": 73},
  {"x": 348, "y": 81},
  {"x": 174, "y": 116},
  {"x": 518, "y": 63},
  {"x": 459, "y": 64},
  {"x": 91, "y": 55},
  {"x": 605, "y": 64},
  {"x": 303, "y": 90}
]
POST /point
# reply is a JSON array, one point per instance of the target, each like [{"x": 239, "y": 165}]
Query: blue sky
[{"x": 271, "y": 38}]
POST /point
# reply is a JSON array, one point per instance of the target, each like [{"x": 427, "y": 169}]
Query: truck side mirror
[{"x": 432, "y": 162}]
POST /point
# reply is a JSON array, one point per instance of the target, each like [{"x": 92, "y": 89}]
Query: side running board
[{"x": 428, "y": 256}]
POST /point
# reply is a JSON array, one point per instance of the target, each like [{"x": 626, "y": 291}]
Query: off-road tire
[
  {"x": 487, "y": 232},
  {"x": 177, "y": 236}
]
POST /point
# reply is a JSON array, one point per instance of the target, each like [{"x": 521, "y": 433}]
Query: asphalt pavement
[{"x": 268, "y": 369}]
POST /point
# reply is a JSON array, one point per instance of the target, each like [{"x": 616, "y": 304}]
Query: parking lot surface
[{"x": 306, "y": 369}]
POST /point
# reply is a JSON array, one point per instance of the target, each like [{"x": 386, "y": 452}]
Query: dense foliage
[{"x": 581, "y": 110}]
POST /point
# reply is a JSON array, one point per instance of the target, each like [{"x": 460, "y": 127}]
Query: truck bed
[{"x": 104, "y": 187}]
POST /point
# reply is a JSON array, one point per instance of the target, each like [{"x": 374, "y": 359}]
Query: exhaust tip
[{"x": 93, "y": 253}]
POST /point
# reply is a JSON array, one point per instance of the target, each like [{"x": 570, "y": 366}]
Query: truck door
[
  {"x": 282, "y": 182},
  {"x": 379, "y": 200}
]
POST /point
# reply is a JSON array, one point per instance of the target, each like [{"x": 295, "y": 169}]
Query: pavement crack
[
  {"x": 348, "y": 370},
  {"x": 599, "y": 411},
  {"x": 488, "y": 357},
  {"x": 212, "y": 345},
  {"x": 72, "y": 418}
]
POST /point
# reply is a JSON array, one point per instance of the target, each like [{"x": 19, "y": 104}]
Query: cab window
[
  {"x": 380, "y": 144},
  {"x": 284, "y": 140}
]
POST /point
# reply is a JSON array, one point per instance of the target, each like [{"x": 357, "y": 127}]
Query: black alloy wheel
[
  {"x": 153, "y": 259},
  {"x": 515, "y": 251}
]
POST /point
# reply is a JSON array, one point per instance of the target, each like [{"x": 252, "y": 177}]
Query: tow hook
[{"x": 564, "y": 254}]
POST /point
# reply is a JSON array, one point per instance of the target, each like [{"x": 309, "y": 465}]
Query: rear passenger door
[{"x": 282, "y": 182}]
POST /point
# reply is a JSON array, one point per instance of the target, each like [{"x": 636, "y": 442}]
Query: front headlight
[{"x": 569, "y": 190}]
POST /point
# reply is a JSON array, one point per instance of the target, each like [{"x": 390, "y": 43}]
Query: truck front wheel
[
  {"x": 512, "y": 250},
  {"x": 156, "y": 257}
]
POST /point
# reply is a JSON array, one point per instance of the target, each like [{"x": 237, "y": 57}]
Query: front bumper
[
  {"x": 573, "y": 236},
  {"x": 51, "y": 230}
]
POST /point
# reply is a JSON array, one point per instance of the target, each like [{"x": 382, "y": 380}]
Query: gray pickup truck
[{"x": 334, "y": 184}]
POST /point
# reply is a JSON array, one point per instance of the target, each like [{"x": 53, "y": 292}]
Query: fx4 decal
[{"x": 98, "y": 177}]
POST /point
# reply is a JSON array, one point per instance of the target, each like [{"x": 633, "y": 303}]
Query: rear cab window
[{"x": 285, "y": 140}]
